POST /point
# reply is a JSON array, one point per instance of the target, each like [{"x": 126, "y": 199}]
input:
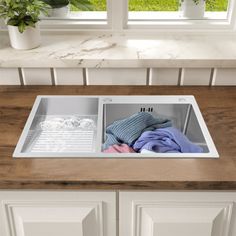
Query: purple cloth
[{"x": 165, "y": 140}]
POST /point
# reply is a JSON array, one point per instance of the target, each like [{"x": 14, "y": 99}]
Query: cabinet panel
[
  {"x": 9, "y": 76},
  {"x": 181, "y": 219},
  {"x": 179, "y": 214},
  {"x": 165, "y": 76},
  {"x": 37, "y": 76},
  {"x": 225, "y": 76},
  {"x": 196, "y": 76},
  {"x": 58, "y": 213},
  {"x": 117, "y": 76},
  {"x": 69, "y": 76}
]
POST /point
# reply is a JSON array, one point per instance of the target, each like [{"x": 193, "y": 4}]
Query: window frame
[
  {"x": 117, "y": 21},
  {"x": 186, "y": 24}
]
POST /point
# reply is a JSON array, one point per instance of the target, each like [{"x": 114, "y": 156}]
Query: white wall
[{"x": 120, "y": 76}]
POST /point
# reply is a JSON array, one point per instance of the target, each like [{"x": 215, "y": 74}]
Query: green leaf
[
  {"x": 56, "y": 3},
  {"x": 21, "y": 27},
  {"x": 84, "y": 5},
  {"x": 13, "y": 22}
]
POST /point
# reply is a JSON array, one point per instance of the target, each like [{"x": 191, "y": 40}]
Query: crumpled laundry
[
  {"x": 129, "y": 129},
  {"x": 165, "y": 140},
  {"x": 123, "y": 148}
]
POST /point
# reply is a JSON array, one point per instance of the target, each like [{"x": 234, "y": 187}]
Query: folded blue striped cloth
[{"x": 128, "y": 130}]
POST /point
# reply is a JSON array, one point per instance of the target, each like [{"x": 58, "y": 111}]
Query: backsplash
[{"x": 118, "y": 76}]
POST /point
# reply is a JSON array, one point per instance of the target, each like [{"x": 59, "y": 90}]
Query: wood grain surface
[{"x": 218, "y": 106}]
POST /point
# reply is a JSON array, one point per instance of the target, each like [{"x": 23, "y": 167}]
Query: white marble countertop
[{"x": 107, "y": 50}]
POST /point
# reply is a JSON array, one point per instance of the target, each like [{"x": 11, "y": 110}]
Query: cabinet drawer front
[
  {"x": 58, "y": 213},
  {"x": 178, "y": 214}
]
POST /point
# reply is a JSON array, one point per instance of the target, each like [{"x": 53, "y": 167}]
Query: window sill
[
  {"x": 77, "y": 20},
  {"x": 173, "y": 20},
  {"x": 175, "y": 15},
  {"x": 116, "y": 51},
  {"x": 142, "y": 20}
]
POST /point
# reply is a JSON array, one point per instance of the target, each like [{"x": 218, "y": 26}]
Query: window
[
  {"x": 77, "y": 14},
  {"x": 97, "y": 11},
  {"x": 167, "y": 9},
  {"x": 187, "y": 14},
  {"x": 122, "y": 15}
]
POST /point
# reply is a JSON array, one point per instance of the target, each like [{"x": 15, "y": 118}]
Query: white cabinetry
[
  {"x": 177, "y": 214},
  {"x": 79, "y": 213},
  {"x": 57, "y": 213}
]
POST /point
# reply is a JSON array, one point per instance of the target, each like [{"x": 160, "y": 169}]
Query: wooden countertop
[{"x": 218, "y": 106}]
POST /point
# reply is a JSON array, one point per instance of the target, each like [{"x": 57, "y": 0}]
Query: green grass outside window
[{"x": 159, "y": 5}]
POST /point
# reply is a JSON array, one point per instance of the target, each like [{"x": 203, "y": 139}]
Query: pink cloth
[{"x": 123, "y": 148}]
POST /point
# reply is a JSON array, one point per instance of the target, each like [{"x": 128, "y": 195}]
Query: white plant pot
[
  {"x": 29, "y": 39},
  {"x": 192, "y": 10},
  {"x": 59, "y": 12}
]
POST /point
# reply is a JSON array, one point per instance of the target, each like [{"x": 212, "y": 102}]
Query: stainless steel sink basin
[{"x": 74, "y": 126}]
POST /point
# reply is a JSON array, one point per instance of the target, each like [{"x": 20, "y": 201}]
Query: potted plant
[
  {"x": 22, "y": 18},
  {"x": 193, "y": 9},
  {"x": 61, "y": 8}
]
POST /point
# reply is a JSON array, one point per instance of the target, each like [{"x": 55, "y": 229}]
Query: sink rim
[{"x": 162, "y": 99}]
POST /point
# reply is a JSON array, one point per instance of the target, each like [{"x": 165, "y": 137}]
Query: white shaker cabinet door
[
  {"x": 28, "y": 213},
  {"x": 177, "y": 214}
]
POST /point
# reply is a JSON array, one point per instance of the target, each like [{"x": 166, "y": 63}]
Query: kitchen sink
[{"x": 75, "y": 126}]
